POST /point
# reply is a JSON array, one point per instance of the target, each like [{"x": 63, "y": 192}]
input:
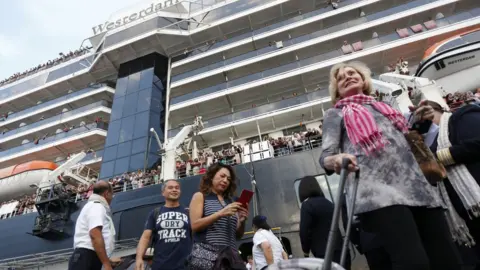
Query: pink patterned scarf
[{"x": 362, "y": 130}]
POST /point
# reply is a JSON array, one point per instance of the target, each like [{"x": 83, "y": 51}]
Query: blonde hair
[{"x": 361, "y": 68}]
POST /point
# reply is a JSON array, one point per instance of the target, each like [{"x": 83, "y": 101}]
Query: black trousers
[
  {"x": 415, "y": 238},
  {"x": 84, "y": 259},
  {"x": 378, "y": 259}
]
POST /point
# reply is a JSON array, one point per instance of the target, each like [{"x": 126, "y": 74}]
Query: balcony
[
  {"x": 61, "y": 144},
  {"x": 53, "y": 107},
  {"x": 56, "y": 124},
  {"x": 377, "y": 51},
  {"x": 322, "y": 41},
  {"x": 293, "y": 113},
  {"x": 47, "y": 79},
  {"x": 269, "y": 117},
  {"x": 217, "y": 50}
]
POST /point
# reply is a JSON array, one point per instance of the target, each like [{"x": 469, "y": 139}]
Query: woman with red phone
[{"x": 217, "y": 221}]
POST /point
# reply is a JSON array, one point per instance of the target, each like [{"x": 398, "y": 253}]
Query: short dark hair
[
  {"x": 309, "y": 188},
  {"x": 101, "y": 186},
  {"x": 164, "y": 184},
  {"x": 261, "y": 222}
]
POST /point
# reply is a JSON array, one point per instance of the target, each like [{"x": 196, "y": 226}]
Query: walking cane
[{"x": 327, "y": 263}]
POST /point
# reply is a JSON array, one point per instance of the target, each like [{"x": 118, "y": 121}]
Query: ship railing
[
  {"x": 55, "y": 257},
  {"x": 199, "y": 168},
  {"x": 295, "y": 146},
  {"x": 306, "y": 144}
]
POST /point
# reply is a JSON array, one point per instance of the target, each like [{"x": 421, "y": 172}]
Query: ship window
[
  {"x": 222, "y": 147},
  {"x": 328, "y": 184},
  {"x": 451, "y": 44},
  {"x": 256, "y": 138},
  {"x": 472, "y": 37},
  {"x": 295, "y": 129}
]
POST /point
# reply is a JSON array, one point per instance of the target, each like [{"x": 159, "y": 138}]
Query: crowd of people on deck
[
  {"x": 23, "y": 206},
  {"x": 418, "y": 204},
  {"x": 232, "y": 155},
  {"x": 50, "y": 63}
]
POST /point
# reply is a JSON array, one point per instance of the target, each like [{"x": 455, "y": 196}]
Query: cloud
[{"x": 9, "y": 47}]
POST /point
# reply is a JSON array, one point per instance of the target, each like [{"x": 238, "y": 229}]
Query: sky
[{"x": 33, "y": 32}]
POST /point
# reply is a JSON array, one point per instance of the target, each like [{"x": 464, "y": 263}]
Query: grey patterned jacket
[{"x": 390, "y": 177}]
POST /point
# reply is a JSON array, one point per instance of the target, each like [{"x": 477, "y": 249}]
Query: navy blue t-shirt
[{"x": 173, "y": 238}]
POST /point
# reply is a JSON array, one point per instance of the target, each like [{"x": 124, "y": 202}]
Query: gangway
[
  {"x": 53, "y": 177},
  {"x": 59, "y": 259},
  {"x": 79, "y": 174},
  {"x": 169, "y": 149}
]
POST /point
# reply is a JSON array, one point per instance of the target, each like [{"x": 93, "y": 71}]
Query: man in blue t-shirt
[{"x": 170, "y": 227}]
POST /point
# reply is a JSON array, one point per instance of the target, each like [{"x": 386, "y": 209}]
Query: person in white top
[
  {"x": 267, "y": 248},
  {"x": 94, "y": 232},
  {"x": 250, "y": 262}
]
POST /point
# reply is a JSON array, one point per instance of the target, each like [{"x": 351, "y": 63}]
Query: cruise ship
[{"x": 242, "y": 72}]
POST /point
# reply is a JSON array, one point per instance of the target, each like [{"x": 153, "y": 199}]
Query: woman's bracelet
[{"x": 445, "y": 157}]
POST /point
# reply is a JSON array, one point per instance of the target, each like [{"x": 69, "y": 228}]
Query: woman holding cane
[{"x": 394, "y": 199}]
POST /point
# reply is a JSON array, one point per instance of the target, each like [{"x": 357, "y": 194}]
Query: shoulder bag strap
[
  {"x": 156, "y": 213},
  {"x": 229, "y": 225}
]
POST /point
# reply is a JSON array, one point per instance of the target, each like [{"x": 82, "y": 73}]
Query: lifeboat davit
[
  {"x": 22, "y": 179},
  {"x": 452, "y": 60}
]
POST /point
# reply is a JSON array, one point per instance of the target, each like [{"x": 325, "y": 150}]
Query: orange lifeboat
[
  {"x": 452, "y": 60},
  {"x": 22, "y": 179}
]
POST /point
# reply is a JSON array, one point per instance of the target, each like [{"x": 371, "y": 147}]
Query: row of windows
[{"x": 328, "y": 184}]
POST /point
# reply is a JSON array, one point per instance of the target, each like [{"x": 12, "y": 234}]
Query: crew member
[
  {"x": 169, "y": 225},
  {"x": 94, "y": 238}
]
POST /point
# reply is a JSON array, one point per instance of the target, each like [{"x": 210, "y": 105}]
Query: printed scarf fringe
[
  {"x": 462, "y": 181},
  {"x": 458, "y": 227}
]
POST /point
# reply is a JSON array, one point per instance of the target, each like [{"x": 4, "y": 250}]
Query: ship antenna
[{"x": 253, "y": 182}]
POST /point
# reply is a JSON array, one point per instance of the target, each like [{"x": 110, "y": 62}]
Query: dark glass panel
[
  {"x": 121, "y": 165},
  {"x": 113, "y": 133},
  {"x": 126, "y": 130},
  {"x": 124, "y": 149},
  {"x": 110, "y": 153}
]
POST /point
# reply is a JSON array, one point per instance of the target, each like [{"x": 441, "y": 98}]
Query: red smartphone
[{"x": 245, "y": 197}]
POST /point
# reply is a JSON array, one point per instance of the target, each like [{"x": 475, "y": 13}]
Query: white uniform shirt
[
  {"x": 257, "y": 252},
  {"x": 93, "y": 215}
]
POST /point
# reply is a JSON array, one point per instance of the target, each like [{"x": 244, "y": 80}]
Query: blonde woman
[{"x": 394, "y": 200}]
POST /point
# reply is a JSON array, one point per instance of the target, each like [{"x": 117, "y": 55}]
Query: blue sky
[{"x": 33, "y": 32}]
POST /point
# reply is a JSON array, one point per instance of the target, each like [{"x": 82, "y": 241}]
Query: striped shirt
[{"x": 219, "y": 233}]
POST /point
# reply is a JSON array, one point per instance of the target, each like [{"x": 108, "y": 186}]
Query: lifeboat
[
  {"x": 23, "y": 179},
  {"x": 452, "y": 60}
]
